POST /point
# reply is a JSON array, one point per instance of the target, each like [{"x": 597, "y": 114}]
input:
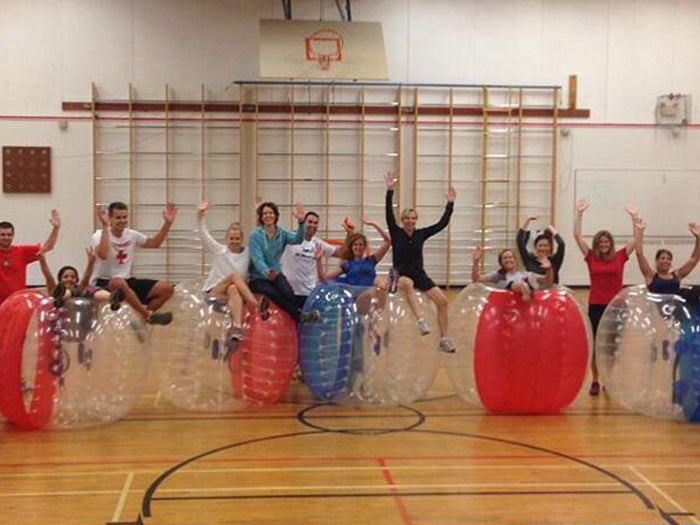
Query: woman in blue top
[
  {"x": 664, "y": 279},
  {"x": 266, "y": 244},
  {"x": 357, "y": 268}
]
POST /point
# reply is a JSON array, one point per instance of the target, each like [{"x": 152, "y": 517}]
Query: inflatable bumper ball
[
  {"x": 366, "y": 351},
  {"x": 78, "y": 365},
  {"x": 200, "y": 368},
  {"x": 515, "y": 356},
  {"x": 648, "y": 353}
]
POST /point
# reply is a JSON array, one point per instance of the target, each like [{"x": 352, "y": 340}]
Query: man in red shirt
[{"x": 14, "y": 259}]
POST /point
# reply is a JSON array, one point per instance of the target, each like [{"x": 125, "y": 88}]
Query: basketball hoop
[{"x": 324, "y": 46}]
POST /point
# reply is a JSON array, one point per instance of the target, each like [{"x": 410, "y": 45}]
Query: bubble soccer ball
[
  {"x": 515, "y": 356},
  {"x": 198, "y": 369},
  {"x": 78, "y": 365},
  {"x": 647, "y": 351},
  {"x": 362, "y": 352}
]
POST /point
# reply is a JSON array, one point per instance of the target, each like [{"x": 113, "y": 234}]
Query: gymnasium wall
[{"x": 624, "y": 52}]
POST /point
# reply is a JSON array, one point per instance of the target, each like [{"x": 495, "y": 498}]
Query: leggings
[{"x": 279, "y": 292}]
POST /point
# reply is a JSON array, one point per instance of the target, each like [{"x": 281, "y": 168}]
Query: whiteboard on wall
[{"x": 667, "y": 199}]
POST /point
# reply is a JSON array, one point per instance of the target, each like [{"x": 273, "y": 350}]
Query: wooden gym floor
[{"x": 438, "y": 461}]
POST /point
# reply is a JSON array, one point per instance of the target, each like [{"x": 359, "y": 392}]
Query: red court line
[
  {"x": 403, "y": 511},
  {"x": 267, "y": 459}
]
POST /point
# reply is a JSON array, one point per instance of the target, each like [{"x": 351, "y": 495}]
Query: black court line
[
  {"x": 148, "y": 496},
  {"x": 647, "y": 502},
  {"x": 393, "y": 494}
]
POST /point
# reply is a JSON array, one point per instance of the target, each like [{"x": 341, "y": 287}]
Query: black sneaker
[
  {"x": 161, "y": 318},
  {"x": 309, "y": 317},
  {"x": 116, "y": 297},
  {"x": 264, "y": 308},
  {"x": 215, "y": 349}
]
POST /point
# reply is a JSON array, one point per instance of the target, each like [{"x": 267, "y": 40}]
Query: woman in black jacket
[{"x": 544, "y": 245}]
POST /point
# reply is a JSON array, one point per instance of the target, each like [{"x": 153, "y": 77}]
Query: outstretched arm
[
  {"x": 391, "y": 181},
  {"x": 691, "y": 263},
  {"x": 558, "y": 257},
  {"x": 321, "y": 270},
  {"x": 381, "y": 252},
  {"x": 46, "y": 271},
  {"x": 89, "y": 267},
  {"x": 451, "y": 195},
  {"x": 581, "y": 206},
  {"x": 211, "y": 244},
  {"x": 633, "y": 212},
  {"x": 50, "y": 242},
  {"x": 103, "y": 246},
  {"x": 522, "y": 237},
  {"x": 169, "y": 214}
]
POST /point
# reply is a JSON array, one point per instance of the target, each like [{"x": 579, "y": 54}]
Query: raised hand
[
  {"x": 102, "y": 215},
  {"x": 551, "y": 229},
  {"x": 169, "y": 213},
  {"x": 451, "y": 194},
  {"x": 390, "y": 179},
  {"x": 202, "y": 208},
  {"x": 632, "y": 211},
  {"x": 477, "y": 254},
  {"x": 90, "y": 253},
  {"x": 55, "y": 219},
  {"x": 258, "y": 201},
  {"x": 582, "y": 205},
  {"x": 694, "y": 228},
  {"x": 299, "y": 212},
  {"x": 348, "y": 226},
  {"x": 544, "y": 261}
]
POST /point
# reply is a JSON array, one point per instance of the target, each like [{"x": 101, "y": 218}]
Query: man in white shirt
[
  {"x": 299, "y": 261},
  {"x": 115, "y": 245}
]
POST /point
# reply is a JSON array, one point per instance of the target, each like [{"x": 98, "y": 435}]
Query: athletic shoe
[
  {"x": 446, "y": 345},
  {"x": 116, "y": 297},
  {"x": 263, "y": 308},
  {"x": 309, "y": 317},
  {"x": 595, "y": 388},
  {"x": 215, "y": 349},
  {"x": 423, "y": 327},
  {"x": 161, "y": 318},
  {"x": 376, "y": 343},
  {"x": 393, "y": 280}
]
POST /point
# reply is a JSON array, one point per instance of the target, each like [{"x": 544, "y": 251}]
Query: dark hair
[
  {"x": 546, "y": 236},
  {"x": 661, "y": 251},
  {"x": 270, "y": 205},
  {"x": 116, "y": 205},
  {"x": 64, "y": 270},
  {"x": 311, "y": 213},
  {"x": 4, "y": 225}
]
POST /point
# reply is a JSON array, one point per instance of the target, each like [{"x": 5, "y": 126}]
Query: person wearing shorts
[{"x": 115, "y": 246}]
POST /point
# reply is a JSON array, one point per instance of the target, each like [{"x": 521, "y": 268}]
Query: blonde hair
[
  {"x": 406, "y": 211},
  {"x": 235, "y": 226}
]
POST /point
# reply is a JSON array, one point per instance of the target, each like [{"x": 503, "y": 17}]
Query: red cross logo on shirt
[{"x": 122, "y": 256}]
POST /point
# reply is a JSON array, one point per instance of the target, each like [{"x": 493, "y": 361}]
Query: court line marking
[
  {"x": 392, "y": 488},
  {"x": 668, "y": 498},
  {"x": 81, "y": 473},
  {"x": 400, "y": 505},
  {"x": 122, "y": 497}
]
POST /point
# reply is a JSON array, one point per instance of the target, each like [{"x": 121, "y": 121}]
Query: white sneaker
[
  {"x": 446, "y": 345},
  {"x": 423, "y": 327}
]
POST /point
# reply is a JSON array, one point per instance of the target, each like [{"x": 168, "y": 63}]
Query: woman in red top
[{"x": 605, "y": 268}]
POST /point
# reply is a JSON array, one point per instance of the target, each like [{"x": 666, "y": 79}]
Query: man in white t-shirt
[
  {"x": 115, "y": 245},
  {"x": 299, "y": 261}
]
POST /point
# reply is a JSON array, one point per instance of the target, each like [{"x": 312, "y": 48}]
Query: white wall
[{"x": 625, "y": 53}]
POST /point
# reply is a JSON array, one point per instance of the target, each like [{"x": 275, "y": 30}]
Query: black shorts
[
  {"x": 141, "y": 287},
  {"x": 421, "y": 281}
]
